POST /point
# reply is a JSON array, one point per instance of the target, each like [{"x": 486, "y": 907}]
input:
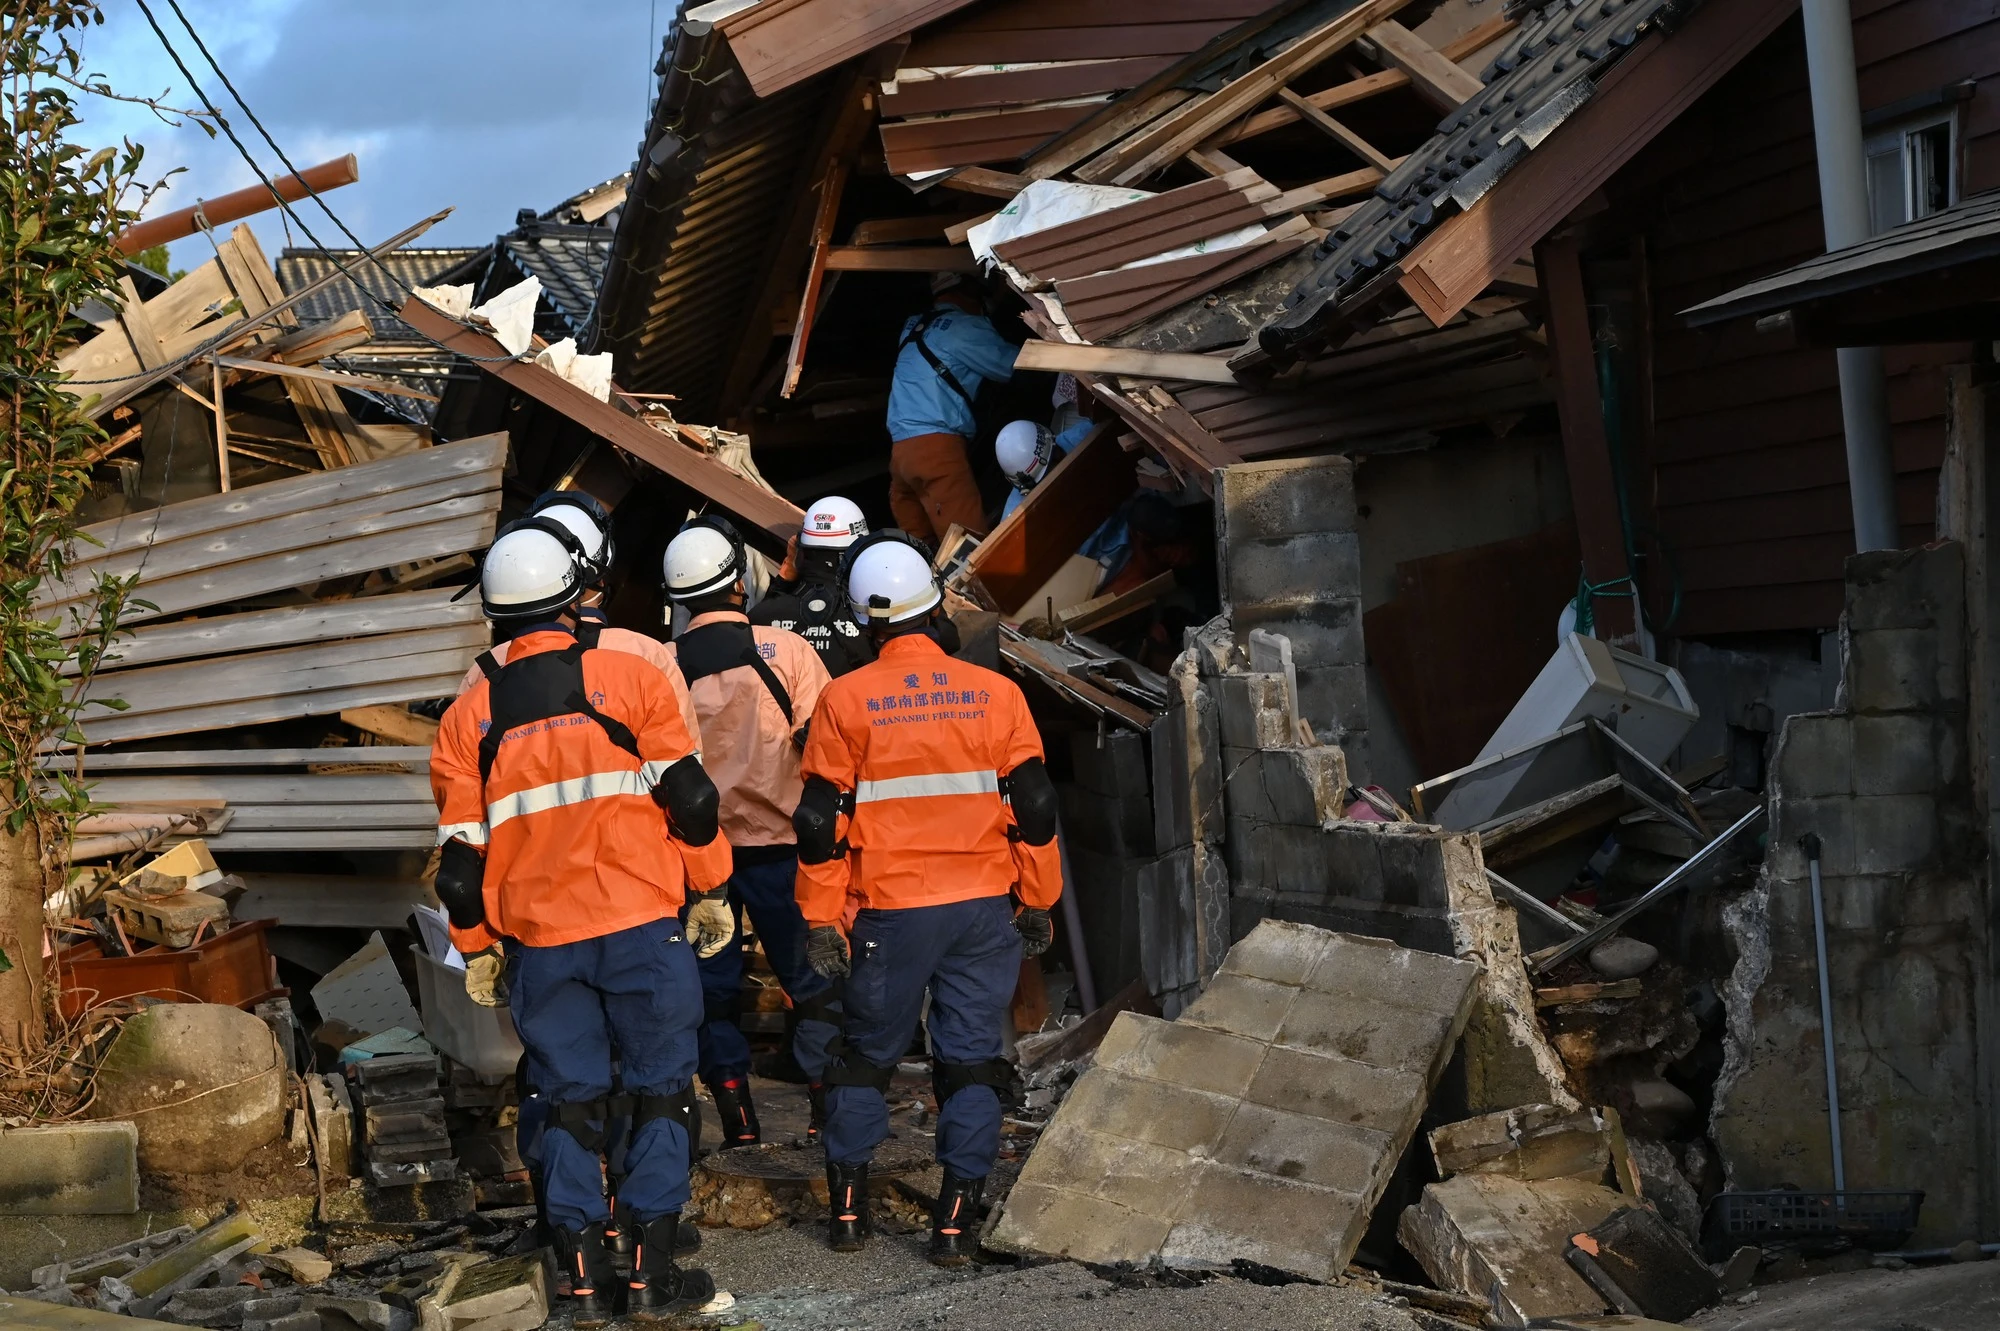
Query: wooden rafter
[{"x": 831, "y": 186}]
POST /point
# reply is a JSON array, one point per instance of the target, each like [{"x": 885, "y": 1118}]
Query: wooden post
[
  {"x": 1586, "y": 449},
  {"x": 221, "y": 425},
  {"x": 831, "y": 186}
]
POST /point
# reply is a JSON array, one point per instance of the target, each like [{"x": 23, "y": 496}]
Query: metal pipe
[
  {"x": 1810, "y": 844},
  {"x": 236, "y": 206},
  {"x": 1843, "y": 202},
  {"x": 1079, "y": 960}
]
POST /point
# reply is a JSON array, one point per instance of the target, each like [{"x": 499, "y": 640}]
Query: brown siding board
[
  {"x": 1018, "y": 87},
  {"x": 1787, "y": 468},
  {"x": 930, "y": 145},
  {"x": 1093, "y": 43}
]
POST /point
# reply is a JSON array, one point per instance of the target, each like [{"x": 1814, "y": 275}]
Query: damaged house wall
[{"x": 1884, "y": 783}]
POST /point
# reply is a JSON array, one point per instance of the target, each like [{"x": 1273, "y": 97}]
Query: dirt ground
[{"x": 1926, "y": 1298}]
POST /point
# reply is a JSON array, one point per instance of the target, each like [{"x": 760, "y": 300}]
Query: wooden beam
[
  {"x": 221, "y": 427},
  {"x": 1213, "y": 162},
  {"x": 831, "y": 186},
  {"x": 1101, "y": 610},
  {"x": 983, "y": 180},
  {"x": 1344, "y": 186},
  {"x": 168, "y": 760},
  {"x": 778, "y": 519},
  {"x": 1188, "y": 126},
  {"x": 780, "y": 43},
  {"x": 903, "y": 230},
  {"x": 1038, "y": 355},
  {"x": 1436, "y": 79},
  {"x": 288, "y": 371},
  {"x": 1641, "y": 96},
  {"x": 321, "y": 412},
  {"x": 1370, "y": 85},
  {"x": 288, "y": 626},
  {"x": 1338, "y": 132},
  {"x": 1056, "y": 517},
  {"x": 903, "y": 259},
  {"x": 1586, "y": 448},
  {"x": 398, "y": 725},
  {"x": 138, "y": 327}
]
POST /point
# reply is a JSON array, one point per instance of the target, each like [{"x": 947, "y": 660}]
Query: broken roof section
[{"x": 374, "y": 287}]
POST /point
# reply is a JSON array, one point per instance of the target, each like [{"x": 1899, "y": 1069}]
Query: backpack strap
[
  {"x": 714, "y": 648},
  {"x": 916, "y": 336},
  {"x": 537, "y": 688}
]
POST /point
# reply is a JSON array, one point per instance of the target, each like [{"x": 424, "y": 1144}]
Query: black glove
[
  {"x": 826, "y": 952},
  {"x": 1035, "y": 929}
]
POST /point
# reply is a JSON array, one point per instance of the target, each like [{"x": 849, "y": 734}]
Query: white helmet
[
  {"x": 528, "y": 573},
  {"x": 889, "y": 581},
  {"x": 832, "y": 523},
  {"x": 1024, "y": 451},
  {"x": 588, "y": 520},
  {"x": 706, "y": 557}
]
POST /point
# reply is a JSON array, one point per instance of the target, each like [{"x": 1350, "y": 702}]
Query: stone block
[
  {"x": 1412, "y": 864},
  {"x": 1278, "y": 577},
  {"x": 1241, "y": 1132},
  {"x": 1110, "y": 763},
  {"x": 1255, "y": 712},
  {"x": 1529, "y": 1142},
  {"x": 301, "y": 1264},
  {"x": 219, "y": 1307},
  {"x": 1503, "y": 1239},
  {"x": 70, "y": 1169},
  {"x": 1333, "y": 699},
  {"x": 1304, "y": 787},
  {"x": 1107, "y": 898},
  {"x": 1291, "y": 497},
  {"x": 365, "y": 1314},
  {"x": 1353, "y": 860},
  {"x": 1919, "y": 588},
  {"x": 1893, "y": 833},
  {"x": 1109, "y": 824},
  {"x": 1832, "y": 819},
  {"x": 1893, "y": 755},
  {"x": 1166, "y": 907},
  {"x": 1815, "y": 757},
  {"x": 1323, "y": 633},
  {"x": 1903, "y": 670}
]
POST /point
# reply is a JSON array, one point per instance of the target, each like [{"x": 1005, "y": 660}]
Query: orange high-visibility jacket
[
  {"x": 708, "y": 867},
  {"x": 575, "y": 846},
  {"x": 921, "y": 740},
  {"x": 753, "y": 759}
]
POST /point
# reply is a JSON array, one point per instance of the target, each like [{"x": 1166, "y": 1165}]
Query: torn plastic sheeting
[
  {"x": 511, "y": 314},
  {"x": 590, "y": 373},
  {"x": 454, "y": 301}
]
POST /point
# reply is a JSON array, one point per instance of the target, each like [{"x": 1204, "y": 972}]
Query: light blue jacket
[{"x": 920, "y": 401}]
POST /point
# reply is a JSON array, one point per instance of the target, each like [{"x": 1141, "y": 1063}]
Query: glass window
[{"x": 1911, "y": 170}]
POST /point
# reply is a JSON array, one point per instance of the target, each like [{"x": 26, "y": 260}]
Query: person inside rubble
[
  {"x": 754, "y": 689},
  {"x": 810, "y": 603},
  {"x": 1027, "y": 451},
  {"x": 565, "y": 781},
  {"x": 925, "y": 797},
  {"x": 944, "y": 357},
  {"x": 584, "y": 524}
]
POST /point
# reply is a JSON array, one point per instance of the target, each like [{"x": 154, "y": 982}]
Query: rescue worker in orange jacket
[
  {"x": 754, "y": 689},
  {"x": 925, "y": 796},
  {"x": 583, "y": 524},
  {"x": 562, "y": 780}
]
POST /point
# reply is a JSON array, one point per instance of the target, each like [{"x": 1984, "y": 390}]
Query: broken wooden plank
[
  {"x": 903, "y": 230},
  {"x": 1106, "y": 304},
  {"x": 288, "y": 371},
  {"x": 398, "y": 725},
  {"x": 288, "y": 626},
  {"x": 1338, "y": 132},
  {"x": 982, "y": 180},
  {"x": 1071, "y": 502},
  {"x": 1564, "y": 995},
  {"x": 776, "y": 518},
  {"x": 831, "y": 186},
  {"x": 1039, "y": 355},
  {"x": 1167, "y": 138},
  {"x": 1436, "y": 79},
  {"x": 1098, "y": 611},
  {"x": 166, "y": 760}
]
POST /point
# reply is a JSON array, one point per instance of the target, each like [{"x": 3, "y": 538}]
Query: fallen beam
[
  {"x": 239, "y": 204},
  {"x": 1037, "y": 355}
]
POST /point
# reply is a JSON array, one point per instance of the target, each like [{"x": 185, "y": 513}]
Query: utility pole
[{"x": 1843, "y": 201}]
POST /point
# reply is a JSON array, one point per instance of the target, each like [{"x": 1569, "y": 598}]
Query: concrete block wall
[
  {"x": 1290, "y": 561},
  {"x": 1883, "y": 780}
]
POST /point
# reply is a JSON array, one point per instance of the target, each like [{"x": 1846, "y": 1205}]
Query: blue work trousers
[
  {"x": 636, "y": 989},
  {"x": 968, "y": 955},
  {"x": 763, "y": 888}
]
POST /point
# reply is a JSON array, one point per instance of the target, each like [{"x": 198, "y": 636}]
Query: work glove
[
  {"x": 486, "y": 977},
  {"x": 710, "y": 923},
  {"x": 826, "y": 952},
  {"x": 1032, "y": 923}
]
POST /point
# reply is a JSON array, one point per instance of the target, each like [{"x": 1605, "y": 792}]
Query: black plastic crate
[{"x": 1878, "y": 1219}]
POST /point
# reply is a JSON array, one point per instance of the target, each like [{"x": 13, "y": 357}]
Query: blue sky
[{"x": 488, "y": 106}]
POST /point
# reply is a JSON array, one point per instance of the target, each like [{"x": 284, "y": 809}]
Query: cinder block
[
  {"x": 1323, "y": 632},
  {"x": 1147, "y": 1110},
  {"x": 1289, "y": 497},
  {"x": 70, "y": 1169},
  {"x": 1282, "y": 954},
  {"x": 1041, "y": 1217},
  {"x": 1255, "y": 1217},
  {"x": 1353, "y": 860},
  {"x": 1382, "y": 1035},
  {"x": 1135, "y": 1174},
  {"x": 1283, "y": 574},
  {"x": 1334, "y": 701},
  {"x": 1255, "y": 712},
  {"x": 1816, "y": 756},
  {"x": 1189, "y": 1057},
  {"x": 1111, "y": 763},
  {"x": 1894, "y": 755},
  {"x": 1413, "y": 869},
  {"x": 1107, "y": 824},
  {"x": 1904, "y": 670},
  {"x": 1311, "y": 1150},
  {"x": 1296, "y": 860},
  {"x": 1107, "y": 898},
  {"x": 1384, "y": 1099},
  {"x": 1919, "y": 588},
  {"x": 1242, "y": 1005},
  {"x": 1376, "y": 969},
  {"x": 1894, "y": 833},
  {"x": 1831, "y": 818},
  {"x": 1306, "y": 787}
]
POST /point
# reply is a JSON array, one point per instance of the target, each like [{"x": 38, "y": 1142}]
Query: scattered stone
[
  {"x": 1659, "y": 1108},
  {"x": 1661, "y": 1183},
  {"x": 1532, "y": 1142},
  {"x": 1740, "y": 1270},
  {"x": 493, "y": 1296},
  {"x": 299, "y": 1321},
  {"x": 70, "y": 1169},
  {"x": 202, "y": 1081},
  {"x": 1623, "y": 958},
  {"x": 1262, "y": 1126},
  {"x": 1745, "y": 1299},
  {"x": 1968, "y": 1251},
  {"x": 333, "y": 1128},
  {"x": 366, "y": 1314},
  {"x": 223, "y": 1306},
  {"x": 271, "y": 1307},
  {"x": 119, "y": 1260},
  {"x": 1503, "y": 1239},
  {"x": 301, "y": 1264}
]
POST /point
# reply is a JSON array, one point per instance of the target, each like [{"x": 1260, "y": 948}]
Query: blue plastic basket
[{"x": 1879, "y": 1219}]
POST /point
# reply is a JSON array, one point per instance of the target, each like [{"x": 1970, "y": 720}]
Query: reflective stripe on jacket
[
  {"x": 922, "y": 741},
  {"x": 575, "y": 846}
]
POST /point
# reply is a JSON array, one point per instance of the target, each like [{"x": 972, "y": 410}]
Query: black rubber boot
[
  {"x": 816, "y": 1105},
  {"x": 847, "y": 1207},
  {"x": 593, "y": 1285},
  {"x": 659, "y": 1289},
  {"x": 618, "y": 1234},
  {"x": 739, "y": 1116},
  {"x": 955, "y": 1222}
]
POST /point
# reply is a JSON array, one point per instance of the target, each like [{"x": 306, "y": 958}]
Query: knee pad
[
  {"x": 847, "y": 1068},
  {"x": 461, "y": 883},
  {"x": 948, "y": 1079},
  {"x": 1032, "y": 796},
  {"x": 816, "y": 820},
  {"x": 823, "y": 1006},
  {"x": 574, "y": 1117},
  {"x": 691, "y": 801},
  {"x": 725, "y": 1010}
]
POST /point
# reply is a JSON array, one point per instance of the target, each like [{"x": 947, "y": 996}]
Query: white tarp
[
  {"x": 511, "y": 315},
  {"x": 454, "y": 301},
  {"x": 1048, "y": 203},
  {"x": 590, "y": 373}
]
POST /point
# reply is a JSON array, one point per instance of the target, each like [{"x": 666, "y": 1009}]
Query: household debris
[{"x": 1287, "y": 1090}]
